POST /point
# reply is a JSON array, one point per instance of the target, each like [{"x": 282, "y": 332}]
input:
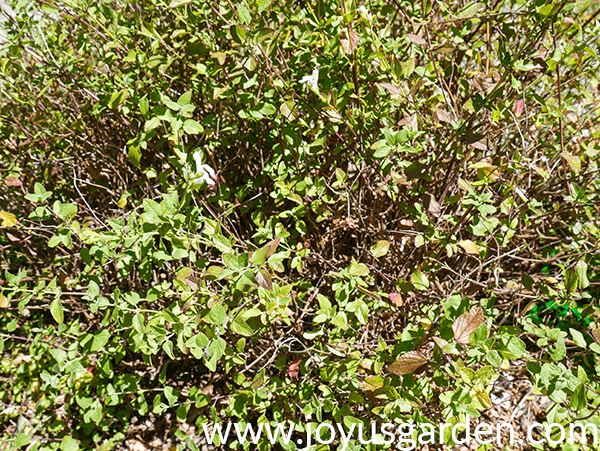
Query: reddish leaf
[
  {"x": 294, "y": 368},
  {"x": 596, "y": 334},
  {"x": 466, "y": 324},
  {"x": 519, "y": 107},
  {"x": 396, "y": 299},
  {"x": 408, "y": 363}
]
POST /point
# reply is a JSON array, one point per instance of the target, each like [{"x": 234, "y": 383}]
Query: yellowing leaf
[
  {"x": 466, "y": 324},
  {"x": 573, "y": 160},
  {"x": 380, "y": 248},
  {"x": 8, "y": 219},
  {"x": 373, "y": 383},
  {"x": 479, "y": 394},
  {"x": 176, "y": 3},
  {"x": 408, "y": 363},
  {"x": 4, "y": 303},
  {"x": 469, "y": 246}
]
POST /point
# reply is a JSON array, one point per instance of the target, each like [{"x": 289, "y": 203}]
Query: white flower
[
  {"x": 204, "y": 173},
  {"x": 366, "y": 14},
  {"x": 312, "y": 80}
]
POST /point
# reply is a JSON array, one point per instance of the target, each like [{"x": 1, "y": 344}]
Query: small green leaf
[
  {"x": 135, "y": 155},
  {"x": 22, "y": 440},
  {"x": 57, "y": 311},
  {"x": 218, "y": 314},
  {"x": 68, "y": 443},
  {"x": 571, "y": 280},
  {"x": 581, "y": 270},
  {"x": 215, "y": 351},
  {"x": 191, "y": 127},
  {"x": 578, "y": 338},
  {"x": 244, "y": 14},
  {"x": 240, "y": 327},
  {"x": 469, "y": 11},
  {"x": 172, "y": 395},
  {"x": 419, "y": 280},
  {"x": 560, "y": 351},
  {"x": 177, "y": 3}
]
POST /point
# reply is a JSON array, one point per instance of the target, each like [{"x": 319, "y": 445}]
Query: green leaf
[
  {"x": 469, "y": 11},
  {"x": 218, "y": 314},
  {"x": 135, "y": 155},
  {"x": 244, "y": 14},
  {"x": 185, "y": 98},
  {"x": 22, "y": 440},
  {"x": 68, "y": 443},
  {"x": 420, "y": 281},
  {"x": 571, "y": 280},
  {"x": 578, "y": 338},
  {"x": 578, "y": 400},
  {"x": 560, "y": 351},
  {"x": 240, "y": 327},
  {"x": 581, "y": 270},
  {"x": 57, "y": 311},
  {"x": 152, "y": 123},
  {"x": 100, "y": 340},
  {"x": 380, "y": 248},
  {"x": 340, "y": 321},
  {"x": 191, "y": 127},
  {"x": 215, "y": 351},
  {"x": 527, "y": 282},
  {"x": 358, "y": 269},
  {"x": 172, "y": 395}
]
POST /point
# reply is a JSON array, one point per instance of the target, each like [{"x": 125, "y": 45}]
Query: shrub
[{"x": 405, "y": 209}]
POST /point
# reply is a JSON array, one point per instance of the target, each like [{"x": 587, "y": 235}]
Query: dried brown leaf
[
  {"x": 408, "y": 363},
  {"x": 432, "y": 205},
  {"x": 443, "y": 116},
  {"x": 264, "y": 280},
  {"x": 417, "y": 40},
  {"x": 11, "y": 180},
  {"x": 392, "y": 89},
  {"x": 466, "y": 324},
  {"x": 349, "y": 41}
]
